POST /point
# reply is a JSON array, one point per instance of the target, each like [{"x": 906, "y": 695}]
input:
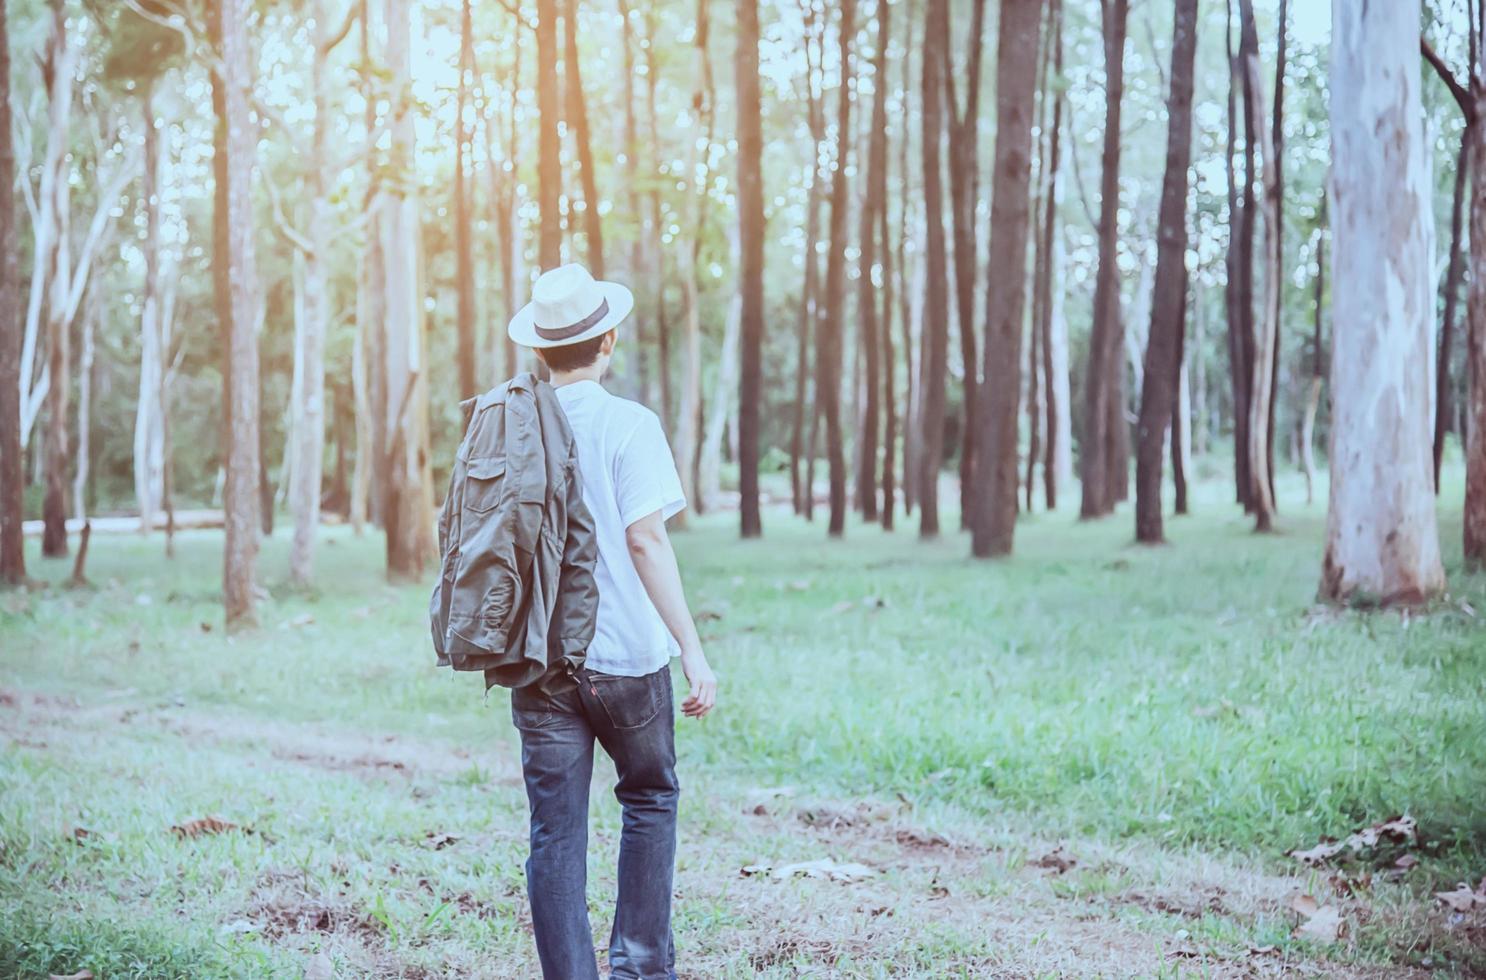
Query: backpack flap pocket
[{"x": 482, "y": 483}]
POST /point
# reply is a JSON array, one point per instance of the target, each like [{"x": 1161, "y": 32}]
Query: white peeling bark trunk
[
  {"x": 309, "y": 353},
  {"x": 1382, "y": 543},
  {"x": 709, "y": 467},
  {"x": 149, "y": 443}
]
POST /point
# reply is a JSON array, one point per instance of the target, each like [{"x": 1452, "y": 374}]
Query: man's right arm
[{"x": 655, "y": 560}]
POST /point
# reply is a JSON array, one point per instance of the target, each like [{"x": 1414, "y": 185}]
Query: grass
[{"x": 1180, "y": 716}]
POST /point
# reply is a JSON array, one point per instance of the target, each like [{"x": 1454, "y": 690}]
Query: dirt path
[{"x": 897, "y": 890}]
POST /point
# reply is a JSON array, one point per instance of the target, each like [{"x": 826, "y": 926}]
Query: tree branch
[
  {"x": 353, "y": 13},
  {"x": 1462, "y": 97},
  {"x": 290, "y": 233}
]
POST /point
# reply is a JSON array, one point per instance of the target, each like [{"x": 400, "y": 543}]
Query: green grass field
[{"x": 1174, "y": 719}]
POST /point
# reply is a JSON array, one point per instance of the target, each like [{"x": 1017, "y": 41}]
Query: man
[{"x": 623, "y": 698}]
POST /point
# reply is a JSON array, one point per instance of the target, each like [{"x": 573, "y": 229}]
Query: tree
[
  {"x": 549, "y": 147},
  {"x": 1382, "y": 544},
  {"x": 751, "y": 270},
  {"x": 802, "y": 494},
  {"x": 1238, "y": 288},
  {"x": 703, "y": 104},
  {"x": 239, "y": 277},
  {"x": 1318, "y": 371},
  {"x": 12, "y": 545},
  {"x": 874, "y": 202},
  {"x": 464, "y": 257},
  {"x": 407, "y": 494},
  {"x": 1168, "y": 311},
  {"x": 1471, "y": 97},
  {"x": 1048, "y": 329},
  {"x": 833, "y": 309},
  {"x": 964, "y": 179},
  {"x": 1266, "y": 338},
  {"x": 935, "y": 328},
  {"x": 993, "y": 521},
  {"x": 1102, "y": 407},
  {"x": 577, "y": 113}
]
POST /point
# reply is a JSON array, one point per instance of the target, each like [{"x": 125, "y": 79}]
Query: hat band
[{"x": 574, "y": 329}]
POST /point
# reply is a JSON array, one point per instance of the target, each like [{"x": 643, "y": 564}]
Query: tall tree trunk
[
  {"x": 1181, "y": 423},
  {"x": 689, "y": 424},
  {"x": 1103, "y": 409},
  {"x": 366, "y": 359},
  {"x": 12, "y": 545},
  {"x": 833, "y": 310},
  {"x": 549, "y": 147},
  {"x": 408, "y": 501},
  {"x": 874, "y": 204},
  {"x": 1168, "y": 308},
  {"x": 1055, "y": 393},
  {"x": 908, "y": 300},
  {"x": 1277, "y": 208},
  {"x": 751, "y": 267},
  {"x": 1236, "y": 297},
  {"x": 993, "y": 523},
  {"x": 657, "y": 249},
  {"x": 636, "y": 271},
  {"x": 241, "y": 504},
  {"x": 1474, "y": 538},
  {"x": 1265, "y": 338},
  {"x": 936, "y": 313},
  {"x": 1382, "y": 543},
  {"x": 309, "y": 412},
  {"x": 724, "y": 384},
  {"x": 964, "y": 178},
  {"x": 1318, "y": 373},
  {"x": 464, "y": 257},
  {"x": 55, "y": 259},
  {"x": 1248, "y": 50},
  {"x": 800, "y": 489},
  {"x": 1453, "y": 276},
  {"x": 149, "y": 443},
  {"x": 84, "y": 406},
  {"x": 889, "y": 361},
  {"x": 577, "y": 119}
]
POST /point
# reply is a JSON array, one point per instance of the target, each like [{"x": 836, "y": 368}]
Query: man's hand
[{"x": 703, "y": 684}]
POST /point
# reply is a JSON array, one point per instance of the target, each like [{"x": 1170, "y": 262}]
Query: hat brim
[{"x": 523, "y": 329}]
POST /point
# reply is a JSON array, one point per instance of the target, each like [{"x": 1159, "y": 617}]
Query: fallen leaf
[
  {"x": 1400, "y": 830},
  {"x": 1463, "y": 899},
  {"x": 303, "y": 619},
  {"x": 439, "y": 841},
  {"x": 1406, "y": 862},
  {"x": 1261, "y": 950},
  {"x": 1055, "y": 860},
  {"x": 204, "y": 826},
  {"x": 708, "y": 616},
  {"x": 77, "y": 834},
  {"x": 206, "y": 627},
  {"x": 844, "y": 606},
  {"x": 1325, "y": 926},
  {"x": 1306, "y": 905},
  {"x": 848, "y": 871},
  {"x": 79, "y": 975}
]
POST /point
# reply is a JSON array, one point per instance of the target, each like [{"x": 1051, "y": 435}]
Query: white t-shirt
[{"x": 628, "y": 473}]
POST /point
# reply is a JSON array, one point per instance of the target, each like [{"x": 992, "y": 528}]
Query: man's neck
[{"x": 560, "y": 378}]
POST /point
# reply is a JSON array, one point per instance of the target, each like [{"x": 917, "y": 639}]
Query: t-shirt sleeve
[{"x": 645, "y": 478}]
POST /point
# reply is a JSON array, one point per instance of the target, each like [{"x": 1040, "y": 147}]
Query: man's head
[
  {"x": 593, "y": 352},
  {"x": 571, "y": 319}
]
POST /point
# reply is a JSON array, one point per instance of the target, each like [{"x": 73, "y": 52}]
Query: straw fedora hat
[{"x": 569, "y": 306}]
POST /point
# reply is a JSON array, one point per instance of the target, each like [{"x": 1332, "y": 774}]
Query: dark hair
[{"x": 571, "y": 357}]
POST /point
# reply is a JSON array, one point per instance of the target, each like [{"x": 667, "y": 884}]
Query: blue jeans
[{"x": 632, "y": 718}]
